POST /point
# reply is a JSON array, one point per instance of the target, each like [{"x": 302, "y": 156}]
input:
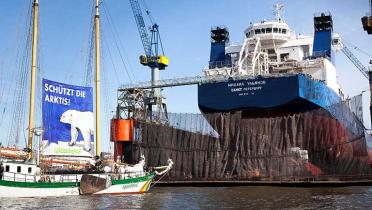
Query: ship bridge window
[
  {"x": 257, "y": 31},
  {"x": 262, "y": 30},
  {"x": 275, "y": 30},
  {"x": 18, "y": 169},
  {"x": 284, "y": 56},
  {"x": 269, "y": 30},
  {"x": 272, "y": 58},
  {"x": 29, "y": 170},
  {"x": 7, "y": 168},
  {"x": 270, "y": 51},
  {"x": 284, "y": 31}
]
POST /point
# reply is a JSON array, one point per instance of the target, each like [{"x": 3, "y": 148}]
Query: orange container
[{"x": 122, "y": 130}]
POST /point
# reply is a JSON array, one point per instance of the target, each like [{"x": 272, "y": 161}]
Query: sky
[{"x": 65, "y": 31}]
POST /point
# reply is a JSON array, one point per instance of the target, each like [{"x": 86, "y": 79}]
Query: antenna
[{"x": 278, "y": 12}]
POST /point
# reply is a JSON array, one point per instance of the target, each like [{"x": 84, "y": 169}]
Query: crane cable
[
  {"x": 151, "y": 19},
  {"x": 148, "y": 12}
]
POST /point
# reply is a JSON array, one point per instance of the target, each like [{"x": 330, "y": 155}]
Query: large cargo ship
[{"x": 279, "y": 114}]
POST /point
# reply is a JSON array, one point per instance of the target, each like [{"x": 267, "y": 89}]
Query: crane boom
[
  {"x": 141, "y": 26},
  {"x": 355, "y": 61}
]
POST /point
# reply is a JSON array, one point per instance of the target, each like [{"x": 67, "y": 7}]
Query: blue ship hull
[{"x": 287, "y": 93}]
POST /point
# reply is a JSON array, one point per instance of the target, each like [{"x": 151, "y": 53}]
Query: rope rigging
[
  {"x": 106, "y": 90},
  {"x": 8, "y": 87},
  {"x": 18, "y": 105},
  {"x": 111, "y": 59},
  {"x": 89, "y": 59},
  {"x": 118, "y": 44}
]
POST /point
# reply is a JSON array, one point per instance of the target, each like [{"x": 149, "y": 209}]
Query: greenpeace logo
[
  {"x": 128, "y": 186},
  {"x": 70, "y": 151}
]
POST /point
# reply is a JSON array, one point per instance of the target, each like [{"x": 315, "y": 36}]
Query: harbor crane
[{"x": 156, "y": 106}]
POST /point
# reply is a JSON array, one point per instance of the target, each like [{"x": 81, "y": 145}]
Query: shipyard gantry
[{"x": 133, "y": 99}]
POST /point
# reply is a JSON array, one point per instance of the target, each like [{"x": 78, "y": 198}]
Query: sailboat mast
[
  {"x": 96, "y": 21},
  {"x": 33, "y": 75}
]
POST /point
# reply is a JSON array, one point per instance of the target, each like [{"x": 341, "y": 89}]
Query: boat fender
[
  {"x": 122, "y": 170},
  {"x": 108, "y": 181},
  {"x": 107, "y": 169}
]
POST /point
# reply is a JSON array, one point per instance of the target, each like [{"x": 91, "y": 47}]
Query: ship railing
[
  {"x": 220, "y": 64},
  {"x": 17, "y": 177},
  {"x": 298, "y": 65},
  {"x": 69, "y": 178},
  {"x": 127, "y": 175},
  {"x": 121, "y": 176},
  {"x": 319, "y": 54},
  {"x": 326, "y": 13}
]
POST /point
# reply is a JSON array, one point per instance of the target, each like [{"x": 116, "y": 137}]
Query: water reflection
[{"x": 209, "y": 198}]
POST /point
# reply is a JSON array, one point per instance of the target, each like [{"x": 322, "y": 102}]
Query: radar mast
[{"x": 278, "y": 12}]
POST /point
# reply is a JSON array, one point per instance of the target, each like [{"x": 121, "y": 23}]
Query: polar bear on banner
[{"x": 79, "y": 121}]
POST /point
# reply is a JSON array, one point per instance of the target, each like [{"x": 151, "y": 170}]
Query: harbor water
[{"x": 247, "y": 197}]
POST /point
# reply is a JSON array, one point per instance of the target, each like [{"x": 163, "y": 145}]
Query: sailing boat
[{"x": 23, "y": 177}]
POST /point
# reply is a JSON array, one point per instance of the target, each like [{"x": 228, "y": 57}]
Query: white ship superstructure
[{"x": 271, "y": 48}]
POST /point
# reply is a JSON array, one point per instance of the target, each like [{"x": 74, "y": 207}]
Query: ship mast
[
  {"x": 33, "y": 75},
  {"x": 97, "y": 81},
  {"x": 278, "y": 12}
]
